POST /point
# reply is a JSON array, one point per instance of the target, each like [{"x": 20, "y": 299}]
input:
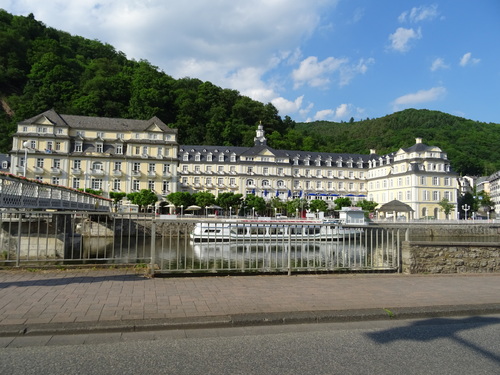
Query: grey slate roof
[{"x": 99, "y": 123}]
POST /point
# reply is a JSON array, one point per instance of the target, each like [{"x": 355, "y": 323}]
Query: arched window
[{"x": 250, "y": 182}]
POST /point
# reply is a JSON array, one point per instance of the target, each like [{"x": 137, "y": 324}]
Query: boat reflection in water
[{"x": 268, "y": 257}]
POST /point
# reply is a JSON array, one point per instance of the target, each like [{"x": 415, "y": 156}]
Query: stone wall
[
  {"x": 435, "y": 230},
  {"x": 457, "y": 257}
]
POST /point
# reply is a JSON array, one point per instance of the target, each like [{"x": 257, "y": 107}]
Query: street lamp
[
  {"x": 466, "y": 208},
  {"x": 230, "y": 209},
  {"x": 182, "y": 209},
  {"x": 25, "y": 145}
]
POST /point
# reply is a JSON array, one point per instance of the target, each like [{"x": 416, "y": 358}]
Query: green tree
[
  {"x": 297, "y": 205},
  {"x": 257, "y": 203},
  {"x": 446, "y": 206},
  {"x": 117, "y": 197},
  {"x": 181, "y": 198},
  {"x": 342, "y": 202},
  {"x": 228, "y": 200},
  {"x": 318, "y": 205},
  {"x": 366, "y": 205},
  {"x": 204, "y": 198},
  {"x": 142, "y": 198}
]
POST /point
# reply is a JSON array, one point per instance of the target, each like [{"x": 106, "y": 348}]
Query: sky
[{"x": 313, "y": 59}]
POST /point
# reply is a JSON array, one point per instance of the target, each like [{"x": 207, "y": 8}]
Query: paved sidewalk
[{"x": 105, "y": 300}]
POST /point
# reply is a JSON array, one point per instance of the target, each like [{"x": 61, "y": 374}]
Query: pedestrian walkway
[{"x": 100, "y": 300}]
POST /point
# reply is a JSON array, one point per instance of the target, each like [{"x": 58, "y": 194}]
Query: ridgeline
[{"x": 43, "y": 68}]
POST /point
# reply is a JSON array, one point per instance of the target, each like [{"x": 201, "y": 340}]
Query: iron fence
[{"x": 32, "y": 238}]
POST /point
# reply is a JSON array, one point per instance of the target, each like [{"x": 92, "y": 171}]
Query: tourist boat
[{"x": 271, "y": 230}]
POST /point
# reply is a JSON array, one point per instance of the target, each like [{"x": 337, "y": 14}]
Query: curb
[{"x": 253, "y": 319}]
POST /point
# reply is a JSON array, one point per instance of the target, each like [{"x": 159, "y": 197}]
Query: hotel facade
[{"x": 124, "y": 155}]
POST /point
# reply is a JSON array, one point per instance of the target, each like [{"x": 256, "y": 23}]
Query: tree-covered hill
[
  {"x": 471, "y": 146},
  {"x": 43, "y": 68}
]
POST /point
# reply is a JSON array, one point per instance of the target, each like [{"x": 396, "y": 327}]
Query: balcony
[
  {"x": 233, "y": 186},
  {"x": 221, "y": 186},
  {"x": 210, "y": 186},
  {"x": 19, "y": 170},
  {"x": 136, "y": 173},
  {"x": 151, "y": 174},
  {"x": 38, "y": 170},
  {"x": 97, "y": 172},
  {"x": 55, "y": 171},
  {"x": 166, "y": 175},
  {"x": 117, "y": 173},
  {"x": 76, "y": 171}
]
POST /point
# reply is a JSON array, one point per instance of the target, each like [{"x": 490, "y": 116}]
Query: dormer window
[
  {"x": 98, "y": 147},
  {"x": 209, "y": 157},
  {"x": 78, "y": 146},
  {"x": 233, "y": 158},
  {"x": 119, "y": 149},
  {"x": 197, "y": 157},
  {"x": 185, "y": 157},
  {"x": 221, "y": 157}
]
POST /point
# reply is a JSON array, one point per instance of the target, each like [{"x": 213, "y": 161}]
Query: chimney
[
  {"x": 418, "y": 140},
  {"x": 373, "y": 151}
]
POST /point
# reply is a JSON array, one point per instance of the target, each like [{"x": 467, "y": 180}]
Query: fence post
[{"x": 153, "y": 248}]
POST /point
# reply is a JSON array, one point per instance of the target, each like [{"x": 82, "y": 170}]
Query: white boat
[{"x": 249, "y": 230}]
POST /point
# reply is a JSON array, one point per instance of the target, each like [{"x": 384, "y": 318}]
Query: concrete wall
[
  {"x": 456, "y": 257},
  {"x": 450, "y": 229}
]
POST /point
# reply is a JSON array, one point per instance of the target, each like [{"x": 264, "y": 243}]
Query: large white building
[{"x": 129, "y": 155}]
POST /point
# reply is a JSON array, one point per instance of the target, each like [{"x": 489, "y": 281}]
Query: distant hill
[
  {"x": 473, "y": 147},
  {"x": 43, "y": 68}
]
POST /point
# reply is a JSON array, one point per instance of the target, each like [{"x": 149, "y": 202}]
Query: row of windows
[
  {"x": 116, "y": 184},
  {"x": 436, "y": 181},
  {"x": 427, "y": 196}
]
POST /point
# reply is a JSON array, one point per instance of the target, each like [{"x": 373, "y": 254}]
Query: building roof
[
  {"x": 98, "y": 123},
  {"x": 395, "y": 206}
]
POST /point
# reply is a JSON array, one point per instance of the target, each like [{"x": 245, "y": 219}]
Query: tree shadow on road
[{"x": 448, "y": 329}]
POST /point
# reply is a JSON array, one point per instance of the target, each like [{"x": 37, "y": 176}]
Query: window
[
  {"x": 197, "y": 157},
  {"x": 209, "y": 169},
  {"x": 137, "y": 150},
  {"x": 117, "y": 184},
  {"x": 25, "y": 129},
  {"x": 33, "y": 144},
  {"x": 422, "y": 180},
  {"x": 49, "y": 145},
  {"x": 233, "y": 158},
  {"x": 77, "y": 164},
  {"x": 98, "y": 147},
  {"x": 447, "y": 181},
  {"x": 249, "y": 170},
  {"x": 208, "y": 181},
  {"x": 39, "y": 163},
  {"x": 185, "y": 157},
  {"x": 220, "y": 181},
  {"x": 197, "y": 169},
  {"x": 265, "y": 183},
  {"x": 408, "y": 195},
  {"x": 249, "y": 182},
  {"x": 58, "y": 146},
  {"x": 220, "y": 169},
  {"x": 296, "y": 172},
  {"x": 151, "y": 185},
  {"x": 120, "y": 136},
  {"x": 166, "y": 168},
  {"x": 280, "y": 171},
  {"x": 318, "y": 184},
  {"x": 184, "y": 169},
  {"x": 209, "y": 157},
  {"x": 160, "y": 152},
  {"x": 118, "y": 166},
  {"x": 78, "y": 147},
  {"x": 435, "y": 196},
  {"x": 97, "y": 166},
  {"x": 196, "y": 180},
  {"x": 265, "y": 171},
  {"x": 151, "y": 167},
  {"x": 435, "y": 181},
  {"x": 97, "y": 183},
  {"x": 165, "y": 187},
  {"x": 55, "y": 181},
  {"x": 447, "y": 195},
  {"x": 100, "y": 135},
  {"x": 119, "y": 149},
  {"x": 80, "y": 134},
  {"x": 76, "y": 183},
  {"x": 221, "y": 157},
  {"x": 135, "y": 185},
  {"x": 426, "y": 195},
  {"x": 153, "y": 136},
  {"x": 318, "y": 173},
  {"x": 136, "y": 167},
  {"x": 56, "y": 163},
  {"x": 232, "y": 181}
]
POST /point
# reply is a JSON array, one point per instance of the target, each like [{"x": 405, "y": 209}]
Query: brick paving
[{"x": 119, "y": 295}]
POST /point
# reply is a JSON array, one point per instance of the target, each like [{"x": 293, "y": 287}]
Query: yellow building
[
  {"x": 419, "y": 176},
  {"x": 124, "y": 155},
  {"x": 105, "y": 154}
]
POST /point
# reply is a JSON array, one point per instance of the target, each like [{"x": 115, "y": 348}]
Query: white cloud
[
  {"x": 342, "y": 113},
  {"x": 422, "y": 96},
  {"x": 287, "y": 106},
  {"x": 316, "y": 73},
  {"x": 467, "y": 59},
  {"x": 418, "y": 14},
  {"x": 439, "y": 64},
  {"x": 348, "y": 72},
  {"x": 400, "y": 40}
]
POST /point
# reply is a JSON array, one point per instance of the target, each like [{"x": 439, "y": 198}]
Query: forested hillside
[
  {"x": 471, "y": 146},
  {"x": 43, "y": 68}
]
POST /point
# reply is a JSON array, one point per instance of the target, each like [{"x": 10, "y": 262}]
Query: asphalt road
[{"x": 462, "y": 345}]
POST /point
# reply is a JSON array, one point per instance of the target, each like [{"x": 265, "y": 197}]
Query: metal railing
[
  {"x": 18, "y": 192},
  {"x": 63, "y": 238}
]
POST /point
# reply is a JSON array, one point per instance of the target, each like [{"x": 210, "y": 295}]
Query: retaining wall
[{"x": 454, "y": 257}]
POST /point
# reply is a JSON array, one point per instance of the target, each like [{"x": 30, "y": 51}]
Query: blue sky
[{"x": 313, "y": 59}]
